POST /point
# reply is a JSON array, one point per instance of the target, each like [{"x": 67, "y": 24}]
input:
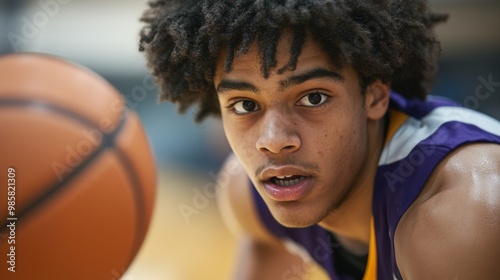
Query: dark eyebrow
[
  {"x": 317, "y": 73},
  {"x": 226, "y": 85}
]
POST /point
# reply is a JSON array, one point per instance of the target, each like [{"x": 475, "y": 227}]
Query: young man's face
[{"x": 309, "y": 123}]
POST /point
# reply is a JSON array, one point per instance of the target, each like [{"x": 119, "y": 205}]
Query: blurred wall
[{"x": 470, "y": 53}]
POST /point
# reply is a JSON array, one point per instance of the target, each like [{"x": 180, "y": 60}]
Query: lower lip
[{"x": 288, "y": 193}]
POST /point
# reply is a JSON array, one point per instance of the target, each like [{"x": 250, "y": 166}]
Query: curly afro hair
[{"x": 390, "y": 40}]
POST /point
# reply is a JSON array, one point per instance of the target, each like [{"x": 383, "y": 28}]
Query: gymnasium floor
[{"x": 177, "y": 250}]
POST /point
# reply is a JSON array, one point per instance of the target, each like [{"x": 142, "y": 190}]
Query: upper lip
[{"x": 273, "y": 171}]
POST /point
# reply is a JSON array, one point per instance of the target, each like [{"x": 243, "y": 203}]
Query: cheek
[
  {"x": 356, "y": 147},
  {"x": 240, "y": 141},
  {"x": 231, "y": 133},
  {"x": 341, "y": 144}
]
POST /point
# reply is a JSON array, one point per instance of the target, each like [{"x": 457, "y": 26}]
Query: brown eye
[
  {"x": 248, "y": 105},
  {"x": 245, "y": 107},
  {"x": 313, "y": 99}
]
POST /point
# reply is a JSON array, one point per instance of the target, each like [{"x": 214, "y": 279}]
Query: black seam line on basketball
[
  {"x": 107, "y": 142},
  {"x": 140, "y": 229},
  {"x": 48, "y": 106}
]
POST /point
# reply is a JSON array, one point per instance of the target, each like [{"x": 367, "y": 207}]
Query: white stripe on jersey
[{"x": 413, "y": 131}]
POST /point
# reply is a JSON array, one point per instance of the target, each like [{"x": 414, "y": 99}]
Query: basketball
[{"x": 77, "y": 174}]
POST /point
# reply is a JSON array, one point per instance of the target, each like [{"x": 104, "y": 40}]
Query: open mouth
[
  {"x": 287, "y": 180},
  {"x": 288, "y": 187}
]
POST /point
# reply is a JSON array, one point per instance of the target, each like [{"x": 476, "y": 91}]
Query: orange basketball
[{"x": 77, "y": 175}]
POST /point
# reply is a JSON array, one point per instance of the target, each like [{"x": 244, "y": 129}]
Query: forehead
[{"x": 249, "y": 64}]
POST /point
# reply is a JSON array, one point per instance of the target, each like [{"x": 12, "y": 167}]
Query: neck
[{"x": 350, "y": 222}]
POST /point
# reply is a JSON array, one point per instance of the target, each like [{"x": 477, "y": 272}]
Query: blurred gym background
[{"x": 187, "y": 239}]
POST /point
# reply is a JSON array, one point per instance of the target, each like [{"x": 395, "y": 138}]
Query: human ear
[{"x": 377, "y": 99}]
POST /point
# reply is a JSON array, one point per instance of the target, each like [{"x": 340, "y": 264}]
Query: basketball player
[{"x": 344, "y": 159}]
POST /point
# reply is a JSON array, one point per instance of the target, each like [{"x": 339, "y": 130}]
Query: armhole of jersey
[{"x": 237, "y": 206}]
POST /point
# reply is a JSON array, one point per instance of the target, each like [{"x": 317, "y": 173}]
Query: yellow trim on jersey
[
  {"x": 371, "y": 266},
  {"x": 396, "y": 120}
]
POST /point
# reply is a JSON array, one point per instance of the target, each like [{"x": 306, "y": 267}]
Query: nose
[{"x": 278, "y": 135}]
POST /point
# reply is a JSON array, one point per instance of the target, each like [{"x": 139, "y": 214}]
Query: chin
[{"x": 297, "y": 217}]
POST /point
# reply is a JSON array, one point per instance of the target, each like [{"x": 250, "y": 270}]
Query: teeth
[
  {"x": 286, "y": 183},
  {"x": 284, "y": 177}
]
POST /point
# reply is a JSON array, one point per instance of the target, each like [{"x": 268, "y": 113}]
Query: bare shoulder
[
  {"x": 236, "y": 204},
  {"x": 452, "y": 230}
]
